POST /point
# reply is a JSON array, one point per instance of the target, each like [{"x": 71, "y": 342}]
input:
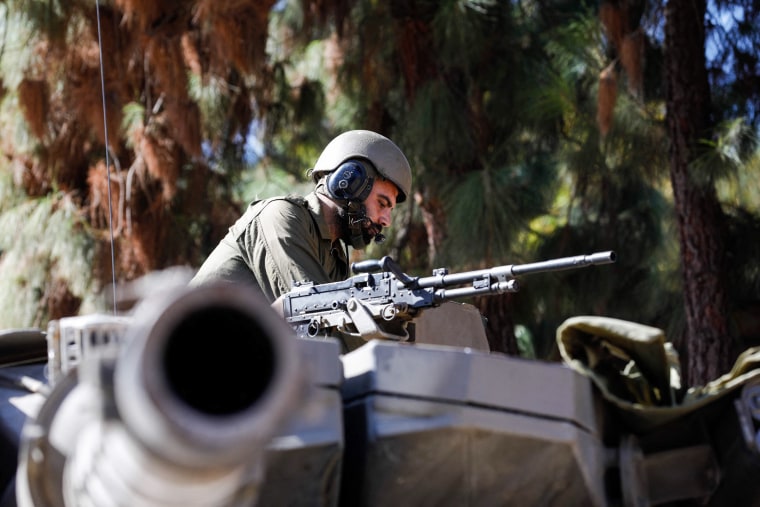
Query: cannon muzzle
[{"x": 180, "y": 415}]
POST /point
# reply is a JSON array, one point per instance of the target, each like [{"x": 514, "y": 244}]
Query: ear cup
[{"x": 350, "y": 182}]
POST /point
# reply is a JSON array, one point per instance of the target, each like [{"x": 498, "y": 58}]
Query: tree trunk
[
  {"x": 500, "y": 325},
  {"x": 698, "y": 213},
  {"x": 434, "y": 218}
]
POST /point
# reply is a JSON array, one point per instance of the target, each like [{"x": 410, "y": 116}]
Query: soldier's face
[{"x": 380, "y": 203}]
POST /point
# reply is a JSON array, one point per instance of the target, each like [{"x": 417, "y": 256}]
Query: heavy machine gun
[{"x": 379, "y": 301}]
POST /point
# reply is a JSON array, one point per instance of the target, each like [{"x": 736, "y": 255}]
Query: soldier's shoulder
[
  {"x": 283, "y": 200},
  {"x": 285, "y": 206}
]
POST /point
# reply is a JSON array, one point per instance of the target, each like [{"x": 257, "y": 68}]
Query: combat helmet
[{"x": 381, "y": 152}]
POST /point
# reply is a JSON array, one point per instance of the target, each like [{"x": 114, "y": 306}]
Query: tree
[
  {"x": 505, "y": 110},
  {"x": 701, "y": 224},
  {"x": 703, "y": 153},
  {"x": 181, "y": 81}
]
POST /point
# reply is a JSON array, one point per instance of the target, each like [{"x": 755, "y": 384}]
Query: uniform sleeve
[{"x": 283, "y": 244}]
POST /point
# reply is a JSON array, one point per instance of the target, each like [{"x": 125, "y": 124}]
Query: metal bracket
[
  {"x": 748, "y": 411},
  {"x": 666, "y": 476},
  {"x": 366, "y": 324}
]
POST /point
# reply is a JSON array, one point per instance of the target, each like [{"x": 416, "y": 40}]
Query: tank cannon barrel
[{"x": 181, "y": 416}]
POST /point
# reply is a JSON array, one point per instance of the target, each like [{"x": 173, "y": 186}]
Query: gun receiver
[{"x": 381, "y": 299}]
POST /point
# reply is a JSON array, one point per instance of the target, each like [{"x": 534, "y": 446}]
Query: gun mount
[{"x": 179, "y": 414}]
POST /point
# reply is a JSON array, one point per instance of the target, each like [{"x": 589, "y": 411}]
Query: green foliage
[
  {"x": 132, "y": 120},
  {"x": 492, "y": 207},
  {"x": 502, "y": 129},
  {"x": 214, "y": 101},
  {"x": 740, "y": 189},
  {"x": 459, "y": 27},
  {"x": 49, "y": 16},
  {"x": 17, "y": 50},
  {"x": 294, "y": 132},
  {"x": 525, "y": 342},
  {"x": 610, "y": 194},
  {"x": 727, "y": 155},
  {"x": 260, "y": 183},
  {"x": 10, "y": 197},
  {"x": 435, "y": 122},
  {"x": 42, "y": 241}
]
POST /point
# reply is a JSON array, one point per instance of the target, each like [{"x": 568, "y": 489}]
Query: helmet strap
[{"x": 356, "y": 216}]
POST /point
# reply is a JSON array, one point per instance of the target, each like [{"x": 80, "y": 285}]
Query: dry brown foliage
[
  {"x": 147, "y": 14},
  {"x": 606, "y": 99},
  {"x": 85, "y": 99},
  {"x": 631, "y": 57},
  {"x": 116, "y": 42},
  {"x": 162, "y": 163},
  {"x": 613, "y": 18},
  {"x": 33, "y": 97},
  {"x": 167, "y": 72},
  {"x": 80, "y": 112},
  {"x": 627, "y": 42},
  {"x": 59, "y": 300},
  {"x": 100, "y": 213},
  {"x": 432, "y": 216},
  {"x": 148, "y": 241},
  {"x": 167, "y": 64},
  {"x": 196, "y": 192},
  {"x": 148, "y": 49},
  {"x": 235, "y": 32},
  {"x": 414, "y": 44},
  {"x": 190, "y": 53},
  {"x": 31, "y": 176}
]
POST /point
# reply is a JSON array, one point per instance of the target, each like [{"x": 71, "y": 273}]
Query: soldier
[{"x": 360, "y": 177}]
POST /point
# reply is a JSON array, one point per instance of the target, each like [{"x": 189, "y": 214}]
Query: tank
[{"x": 205, "y": 396}]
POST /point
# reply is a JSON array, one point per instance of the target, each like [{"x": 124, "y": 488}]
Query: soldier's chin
[
  {"x": 367, "y": 238},
  {"x": 364, "y": 241},
  {"x": 357, "y": 241}
]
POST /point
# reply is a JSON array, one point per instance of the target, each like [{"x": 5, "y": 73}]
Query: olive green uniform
[{"x": 276, "y": 242}]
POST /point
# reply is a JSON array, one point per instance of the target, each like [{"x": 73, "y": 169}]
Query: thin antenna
[{"x": 108, "y": 160}]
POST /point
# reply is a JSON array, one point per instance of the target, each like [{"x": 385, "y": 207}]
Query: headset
[{"x": 351, "y": 181}]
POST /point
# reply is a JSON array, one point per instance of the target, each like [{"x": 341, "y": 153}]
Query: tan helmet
[{"x": 384, "y": 155}]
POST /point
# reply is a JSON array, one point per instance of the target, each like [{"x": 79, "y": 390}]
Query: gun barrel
[
  {"x": 204, "y": 378},
  {"x": 511, "y": 270},
  {"x": 208, "y": 376},
  {"x": 577, "y": 261}
]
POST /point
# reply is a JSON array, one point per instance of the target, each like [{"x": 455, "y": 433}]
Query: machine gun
[{"x": 379, "y": 301}]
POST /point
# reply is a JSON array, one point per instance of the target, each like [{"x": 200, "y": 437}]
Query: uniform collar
[
  {"x": 315, "y": 208},
  {"x": 317, "y": 213}
]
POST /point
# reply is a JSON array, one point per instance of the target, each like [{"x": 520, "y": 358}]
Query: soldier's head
[{"x": 367, "y": 174}]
